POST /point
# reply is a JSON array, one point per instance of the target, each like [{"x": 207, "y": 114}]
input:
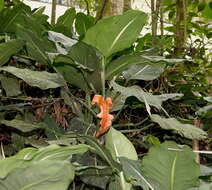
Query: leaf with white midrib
[{"x": 169, "y": 169}]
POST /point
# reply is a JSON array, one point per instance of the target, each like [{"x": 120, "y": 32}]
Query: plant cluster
[{"x": 51, "y": 78}]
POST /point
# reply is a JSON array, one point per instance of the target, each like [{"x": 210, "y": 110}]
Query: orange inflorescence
[{"x": 106, "y": 118}]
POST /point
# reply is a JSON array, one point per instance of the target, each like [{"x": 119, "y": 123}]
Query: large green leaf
[
  {"x": 50, "y": 153},
  {"x": 40, "y": 79},
  {"x": 186, "y": 130},
  {"x": 8, "y": 49},
  {"x": 37, "y": 47},
  {"x": 144, "y": 71},
  {"x": 67, "y": 18},
  {"x": 171, "y": 167},
  {"x": 131, "y": 61},
  {"x": 120, "y": 146},
  {"x": 9, "y": 18},
  {"x": 65, "y": 66},
  {"x": 48, "y": 175},
  {"x": 83, "y": 23},
  {"x": 138, "y": 65},
  {"x": 85, "y": 63},
  {"x": 116, "y": 33},
  {"x": 90, "y": 58}
]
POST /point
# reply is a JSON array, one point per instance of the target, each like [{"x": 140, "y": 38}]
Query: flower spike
[{"x": 106, "y": 118}]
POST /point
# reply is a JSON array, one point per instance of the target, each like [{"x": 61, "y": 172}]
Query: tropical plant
[{"x": 72, "y": 65}]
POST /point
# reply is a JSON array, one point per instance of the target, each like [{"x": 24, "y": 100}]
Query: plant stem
[{"x": 103, "y": 77}]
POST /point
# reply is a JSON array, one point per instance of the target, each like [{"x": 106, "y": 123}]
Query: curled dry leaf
[{"x": 106, "y": 118}]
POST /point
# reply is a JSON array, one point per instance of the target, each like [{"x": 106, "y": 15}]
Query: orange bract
[{"x": 106, "y": 118}]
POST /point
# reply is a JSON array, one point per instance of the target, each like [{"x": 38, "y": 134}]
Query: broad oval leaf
[
  {"x": 48, "y": 175},
  {"x": 50, "y": 153},
  {"x": 40, "y": 79},
  {"x": 83, "y": 23},
  {"x": 90, "y": 58},
  {"x": 116, "y": 33},
  {"x": 171, "y": 167},
  {"x": 120, "y": 146},
  {"x": 67, "y": 18},
  {"x": 186, "y": 130},
  {"x": 8, "y": 49},
  {"x": 144, "y": 71}
]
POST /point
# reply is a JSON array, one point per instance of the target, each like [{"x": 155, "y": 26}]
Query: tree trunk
[
  {"x": 180, "y": 28},
  {"x": 161, "y": 29},
  {"x": 113, "y": 7},
  {"x": 53, "y": 14},
  {"x": 101, "y": 9},
  {"x": 155, "y": 9},
  {"x": 127, "y": 5}
]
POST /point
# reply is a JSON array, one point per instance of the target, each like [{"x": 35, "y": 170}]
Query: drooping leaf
[
  {"x": 116, "y": 33},
  {"x": 40, "y": 79},
  {"x": 170, "y": 166},
  {"x": 138, "y": 60},
  {"x": 173, "y": 96},
  {"x": 62, "y": 42},
  {"x": 20, "y": 125},
  {"x": 120, "y": 146},
  {"x": 204, "y": 111},
  {"x": 186, "y": 130},
  {"x": 83, "y": 23},
  {"x": 137, "y": 92},
  {"x": 8, "y": 49},
  {"x": 162, "y": 59},
  {"x": 209, "y": 99},
  {"x": 52, "y": 175},
  {"x": 55, "y": 152}
]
